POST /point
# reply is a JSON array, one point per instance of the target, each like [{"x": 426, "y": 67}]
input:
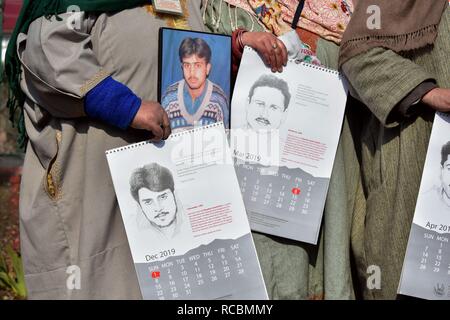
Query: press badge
[{"x": 168, "y": 6}]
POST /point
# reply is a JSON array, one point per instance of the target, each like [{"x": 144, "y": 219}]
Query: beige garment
[{"x": 70, "y": 216}]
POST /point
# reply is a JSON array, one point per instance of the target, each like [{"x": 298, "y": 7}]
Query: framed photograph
[{"x": 194, "y": 78}]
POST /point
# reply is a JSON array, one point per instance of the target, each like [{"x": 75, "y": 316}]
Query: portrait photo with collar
[{"x": 195, "y": 78}]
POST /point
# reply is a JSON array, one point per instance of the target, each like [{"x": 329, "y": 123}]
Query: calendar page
[
  {"x": 285, "y": 132},
  {"x": 185, "y": 219},
  {"x": 426, "y": 268}
]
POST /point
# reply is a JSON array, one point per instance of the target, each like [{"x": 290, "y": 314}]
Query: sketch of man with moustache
[
  {"x": 267, "y": 103},
  {"x": 152, "y": 187}
]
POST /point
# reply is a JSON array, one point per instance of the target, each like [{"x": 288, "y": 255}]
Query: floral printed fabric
[
  {"x": 270, "y": 13},
  {"x": 326, "y": 18}
]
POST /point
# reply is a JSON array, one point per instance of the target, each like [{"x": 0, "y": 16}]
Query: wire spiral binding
[
  {"x": 298, "y": 62},
  {"x": 172, "y": 136},
  {"x": 324, "y": 69}
]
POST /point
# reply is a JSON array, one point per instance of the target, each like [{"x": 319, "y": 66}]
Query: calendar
[
  {"x": 426, "y": 268},
  {"x": 275, "y": 203},
  {"x": 184, "y": 217},
  {"x": 284, "y": 137}
]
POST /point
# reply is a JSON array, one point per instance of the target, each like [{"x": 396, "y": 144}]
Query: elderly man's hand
[
  {"x": 152, "y": 117},
  {"x": 271, "y": 49},
  {"x": 438, "y": 99}
]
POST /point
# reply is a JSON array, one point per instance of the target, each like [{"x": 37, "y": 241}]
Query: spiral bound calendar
[
  {"x": 426, "y": 268},
  {"x": 185, "y": 219},
  {"x": 285, "y": 132}
]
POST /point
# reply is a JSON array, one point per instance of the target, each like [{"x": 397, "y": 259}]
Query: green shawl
[{"x": 31, "y": 10}]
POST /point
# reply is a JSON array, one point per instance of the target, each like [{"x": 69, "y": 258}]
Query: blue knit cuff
[{"x": 112, "y": 102}]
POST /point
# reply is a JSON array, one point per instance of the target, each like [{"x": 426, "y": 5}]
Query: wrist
[
  {"x": 243, "y": 39},
  {"x": 438, "y": 99},
  {"x": 429, "y": 98}
]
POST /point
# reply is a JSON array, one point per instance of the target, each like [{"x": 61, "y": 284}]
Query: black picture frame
[{"x": 169, "y": 66}]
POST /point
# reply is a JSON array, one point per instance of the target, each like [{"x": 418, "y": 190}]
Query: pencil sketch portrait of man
[
  {"x": 434, "y": 203},
  {"x": 267, "y": 103},
  {"x": 152, "y": 187}
]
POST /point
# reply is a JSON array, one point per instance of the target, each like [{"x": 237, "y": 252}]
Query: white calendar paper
[
  {"x": 292, "y": 123},
  {"x": 185, "y": 219},
  {"x": 426, "y": 268}
]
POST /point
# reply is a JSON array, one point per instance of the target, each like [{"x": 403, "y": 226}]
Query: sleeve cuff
[
  {"x": 113, "y": 103},
  {"x": 408, "y": 106}
]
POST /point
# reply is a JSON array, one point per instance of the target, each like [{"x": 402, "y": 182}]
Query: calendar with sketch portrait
[
  {"x": 185, "y": 219},
  {"x": 426, "y": 268},
  {"x": 284, "y": 137}
]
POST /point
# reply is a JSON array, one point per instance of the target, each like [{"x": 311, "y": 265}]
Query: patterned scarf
[{"x": 326, "y": 18}]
